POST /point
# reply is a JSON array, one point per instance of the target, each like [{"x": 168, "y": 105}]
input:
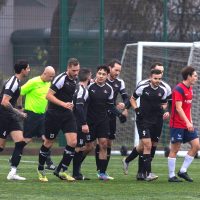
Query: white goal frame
[{"x": 140, "y": 46}]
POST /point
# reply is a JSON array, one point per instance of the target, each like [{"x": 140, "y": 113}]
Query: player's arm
[
  {"x": 27, "y": 87},
  {"x": 6, "y": 103},
  {"x": 124, "y": 96},
  {"x": 114, "y": 110},
  {"x": 181, "y": 113},
  {"x": 51, "y": 97},
  {"x": 136, "y": 94},
  {"x": 19, "y": 103},
  {"x": 82, "y": 97},
  {"x": 82, "y": 117}
]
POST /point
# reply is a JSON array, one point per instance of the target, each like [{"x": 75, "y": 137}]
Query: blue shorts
[{"x": 182, "y": 135}]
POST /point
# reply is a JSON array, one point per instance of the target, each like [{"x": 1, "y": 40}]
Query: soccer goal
[{"x": 136, "y": 61}]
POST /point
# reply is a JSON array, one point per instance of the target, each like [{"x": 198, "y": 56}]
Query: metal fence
[{"x": 48, "y": 32}]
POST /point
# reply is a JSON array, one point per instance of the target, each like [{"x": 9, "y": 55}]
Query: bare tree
[{"x": 55, "y": 29}]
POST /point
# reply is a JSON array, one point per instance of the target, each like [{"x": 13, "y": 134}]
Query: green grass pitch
[{"x": 122, "y": 188}]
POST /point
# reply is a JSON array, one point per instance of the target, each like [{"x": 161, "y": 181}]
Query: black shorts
[
  {"x": 8, "y": 123},
  {"x": 98, "y": 130},
  {"x": 112, "y": 124},
  {"x": 59, "y": 120},
  {"x": 34, "y": 125},
  {"x": 149, "y": 130}
]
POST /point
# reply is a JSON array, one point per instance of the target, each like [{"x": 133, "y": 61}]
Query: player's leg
[
  {"x": 78, "y": 156},
  {"x": 193, "y": 140},
  {"x": 102, "y": 158},
  {"x": 176, "y": 135},
  {"x": 136, "y": 150},
  {"x": 2, "y": 142},
  {"x": 17, "y": 137},
  {"x": 111, "y": 137},
  {"x": 68, "y": 155}
]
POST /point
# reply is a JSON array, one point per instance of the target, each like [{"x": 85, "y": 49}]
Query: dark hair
[
  {"x": 72, "y": 61},
  {"x": 187, "y": 71},
  {"x": 153, "y": 66},
  {"x": 19, "y": 65},
  {"x": 84, "y": 73},
  {"x": 104, "y": 67},
  {"x": 156, "y": 71},
  {"x": 112, "y": 63}
]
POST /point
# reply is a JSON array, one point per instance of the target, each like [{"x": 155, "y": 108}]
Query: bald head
[{"x": 48, "y": 74}]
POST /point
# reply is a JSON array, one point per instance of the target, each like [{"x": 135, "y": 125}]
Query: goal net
[{"x": 136, "y": 61}]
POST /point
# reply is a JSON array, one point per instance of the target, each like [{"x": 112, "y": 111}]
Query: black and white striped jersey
[
  {"x": 100, "y": 99},
  {"x": 162, "y": 83},
  {"x": 118, "y": 86},
  {"x": 12, "y": 89},
  {"x": 80, "y": 101},
  {"x": 64, "y": 89},
  {"x": 151, "y": 100}
]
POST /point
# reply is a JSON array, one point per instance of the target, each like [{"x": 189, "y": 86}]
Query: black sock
[
  {"x": 153, "y": 151},
  {"x": 49, "y": 160},
  {"x": 102, "y": 165},
  {"x": 44, "y": 151},
  {"x": 17, "y": 153},
  {"x": 1, "y": 149},
  {"x": 83, "y": 157},
  {"x": 77, "y": 163},
  {"x": 97, "y": 156},
  {"x": 147, "y": 163},
  {"x": 67, "y": 157},
  {"x": 132, "y": 155},
  {"x": 108, "y": 156},
  {"x": 140, "y": 163}
]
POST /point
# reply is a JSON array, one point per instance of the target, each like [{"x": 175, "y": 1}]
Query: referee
[{"x": 35, "y": 91}]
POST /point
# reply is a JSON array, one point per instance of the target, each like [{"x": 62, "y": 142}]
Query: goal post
[{"x": 136, "y": 61}]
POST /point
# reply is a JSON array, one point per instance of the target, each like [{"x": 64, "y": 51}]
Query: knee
[
  {"x": 72, "y": 142},
  {"x": 103, "y": 145},
  {"x": 139, "y": 148},
  {"x": 147, "y": 146},
  {"x": 48, "y": 143}
]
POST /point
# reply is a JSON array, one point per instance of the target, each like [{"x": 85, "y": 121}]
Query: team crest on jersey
[
  {"x": 159, "y": 94},
  {"x": 105, "y": 91},
  {"x": 116, "y": 85}
]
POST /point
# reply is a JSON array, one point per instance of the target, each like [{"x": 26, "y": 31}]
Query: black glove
[
  {"x": 122, "y": 118},
  {"x": 138, "y": 113}
]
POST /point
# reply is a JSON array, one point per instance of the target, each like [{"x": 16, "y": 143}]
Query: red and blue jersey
[{"x": 184, "y": 94}]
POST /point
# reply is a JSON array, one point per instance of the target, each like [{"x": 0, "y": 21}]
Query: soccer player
[
  {"x": 181, "y": 126},
  {"x": 138, "y": 149},
  {"x": 80, "y": 109},
  {"x": 10, "y": 117},
  {"x": 100, "y": 101},
  {"x": 59, "y": 116},
  {"x": 118, "y": 86},
  {"x": 35, "y": 91},
  {"x": 149, "y": 116}
]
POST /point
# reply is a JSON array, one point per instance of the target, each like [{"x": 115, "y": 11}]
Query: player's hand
[
  {"x": 120, "y": 106},
  {"x": 22, "y": 115},
  {"x": 122, "y": 118},
  {"x": 138, "y": 113},
  {"x": 125, "y": 112},
  {"x": 165, "y": 115},
  {"x": 190, "y": 127},
  {"x": 68, "y": 105},
  {"x": 85, "y": 128}
]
